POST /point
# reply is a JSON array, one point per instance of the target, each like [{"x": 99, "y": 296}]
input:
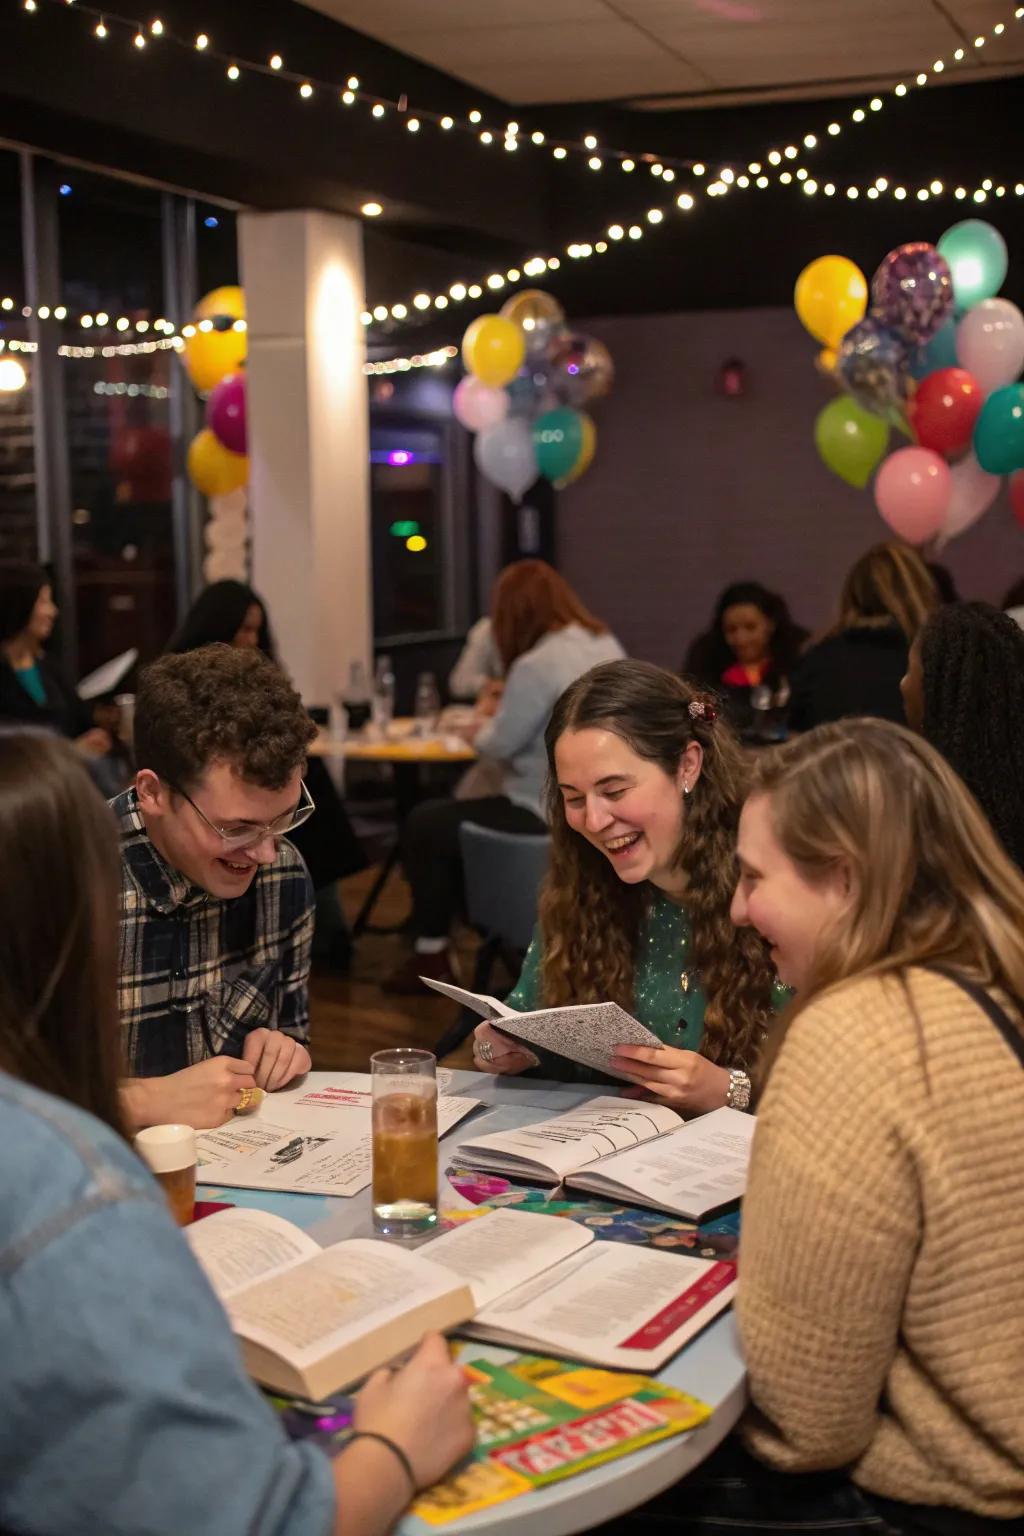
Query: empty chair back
[{"x": 503, "y": 873}]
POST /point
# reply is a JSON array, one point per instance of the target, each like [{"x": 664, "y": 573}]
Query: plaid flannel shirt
[{"x": 198, "y": 973}]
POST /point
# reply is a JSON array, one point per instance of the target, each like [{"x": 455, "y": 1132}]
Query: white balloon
[
  {"x": 990, "y": 343},
  {"x": 232, "y": 502},
  {"x": 505, "y": 456},
  {"x": 222, "y": 566},
  {"x": 973, "y": 492}
]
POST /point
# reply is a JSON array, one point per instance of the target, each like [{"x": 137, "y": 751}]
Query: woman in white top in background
[{"x": 545, "y": 639}]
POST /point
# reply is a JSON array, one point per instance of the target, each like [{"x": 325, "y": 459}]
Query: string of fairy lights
[{"x": 512, "y": 135}]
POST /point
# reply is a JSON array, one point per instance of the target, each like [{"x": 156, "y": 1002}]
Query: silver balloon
[
  {"x": 581, "y": 369},
  {"x": 505, "y": 456}
]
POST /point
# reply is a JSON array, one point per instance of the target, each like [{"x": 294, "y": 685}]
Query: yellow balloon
[
  {"x": 831, "y": 295},
  {"x": 493, "y": 349},
  {"x": 214, "y": 469},
  {"x": 588, "y": 447},
  {"x": 211, "y": 355},
  {"x": 221, "y": 301}
]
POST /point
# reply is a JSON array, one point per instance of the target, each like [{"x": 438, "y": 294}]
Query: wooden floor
[{"x": 352, "y": 1016}]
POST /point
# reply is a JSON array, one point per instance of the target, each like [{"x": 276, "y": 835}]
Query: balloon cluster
[
  {"x": 215, "y": 352},
  {"x": 938, "y": 357},
  {"x": 527, "y": 377}
]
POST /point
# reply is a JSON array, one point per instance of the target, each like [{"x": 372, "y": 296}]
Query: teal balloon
[
  {"x": 851, "y": 441},
  {"x": 938, "y": 353},
  {"x": 999, "y": 432},
  {"x": 558, "y": 438},
  {"x": 977, "y": 258}
]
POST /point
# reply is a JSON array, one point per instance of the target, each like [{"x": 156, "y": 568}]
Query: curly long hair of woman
[
  {"x": 972, "y": 660},
  {"x": 591, "y": 920}
]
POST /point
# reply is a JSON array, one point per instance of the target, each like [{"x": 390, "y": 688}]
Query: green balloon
[
  {"x": 850, "y": 441},
  {"x": 976, "y": 254},
  {"x": 999, "y": 433},
  {"x": 558, "y": 438}
]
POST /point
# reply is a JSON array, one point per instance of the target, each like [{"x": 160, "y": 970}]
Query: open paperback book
[
  {"x": 641, "y": 1153},
  {"x": 313, "y": 1320},
  {"x": 312, "y": 1142},
  {"x": 584, "y": 1032}
]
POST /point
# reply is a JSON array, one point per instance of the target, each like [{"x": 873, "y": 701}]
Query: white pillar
[{"x": 309, "y": 441}]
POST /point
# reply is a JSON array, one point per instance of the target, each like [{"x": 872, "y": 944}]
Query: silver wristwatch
[{"x": 738, "y": 1096}]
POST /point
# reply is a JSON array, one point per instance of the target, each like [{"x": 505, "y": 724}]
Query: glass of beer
[
  {"x": 170, "y": 1151},
  {"x": 404, "y": 1142}
]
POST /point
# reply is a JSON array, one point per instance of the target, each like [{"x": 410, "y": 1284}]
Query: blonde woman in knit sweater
[{"x": 881, "y": 1300}]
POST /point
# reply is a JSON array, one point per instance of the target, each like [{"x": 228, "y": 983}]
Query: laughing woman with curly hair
[{"x": 644, "y": 795}]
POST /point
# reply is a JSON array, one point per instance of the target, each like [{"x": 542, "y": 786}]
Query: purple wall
[{"x": 690, "y": 491}]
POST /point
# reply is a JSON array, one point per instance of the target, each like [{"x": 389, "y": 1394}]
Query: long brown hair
[
  {"x": 891, "y": 582},
  {"x": 930, "y": 882},
  {"x": 59, "y": 1027},
  {"x": 591, "y": 920},
  {"x": 529, "y": 600}
]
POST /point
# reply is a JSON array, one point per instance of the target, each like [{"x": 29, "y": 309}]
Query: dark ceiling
[{"x": 455, "y": 210}]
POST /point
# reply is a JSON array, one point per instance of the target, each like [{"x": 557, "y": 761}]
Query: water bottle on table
[
  {"x": 383, "y": 694},
  {"x": 428, "y": 704},
  {"x": 356, "y": 697}
]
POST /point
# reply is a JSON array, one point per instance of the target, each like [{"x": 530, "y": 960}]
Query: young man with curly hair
[{"x": 216, "y": 904}]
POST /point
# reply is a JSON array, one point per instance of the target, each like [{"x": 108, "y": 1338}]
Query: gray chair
[{"x": 503, "y": 871}]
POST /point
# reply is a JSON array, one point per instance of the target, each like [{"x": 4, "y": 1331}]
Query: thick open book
[
  {"x": 585, "y": 1032},
  {"x": 644, "y": 1154},
  {"x": 316, "y": 1141},
  {"x": 314, "y": 1320}
]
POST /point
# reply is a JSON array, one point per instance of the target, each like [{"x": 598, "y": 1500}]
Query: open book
[
  {"x": 641, "y": 1153},
  {"x": 313, "y": 1143},
  {"x": 585, "y": 1032},
  {"x": 313, "y": 1320}
]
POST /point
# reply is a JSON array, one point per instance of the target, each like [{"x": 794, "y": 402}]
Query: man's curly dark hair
[
  {"x": 972, "y": 659},
  {"x": 220, "y": 704}
]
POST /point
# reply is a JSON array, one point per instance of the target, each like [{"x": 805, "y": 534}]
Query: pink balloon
[
  {"x": 912, "y": 491},
  {"x": 972, "y": 492},
  {"x": 225, "y": 413},
  {"x": 477, "y": 406}
]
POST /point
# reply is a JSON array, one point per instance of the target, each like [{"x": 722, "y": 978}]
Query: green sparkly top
[{"x": 667, "y": 994}]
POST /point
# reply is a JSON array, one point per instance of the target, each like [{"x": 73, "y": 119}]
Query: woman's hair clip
[{"x": 702, "y": 709}]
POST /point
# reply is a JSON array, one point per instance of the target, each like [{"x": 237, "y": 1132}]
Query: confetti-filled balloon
[
  {"x": 539, "y": 316},
  {"x": 873, "y": 365},
  {"x": 581, "y": 369},
  {"x": 912, "y": 291}
]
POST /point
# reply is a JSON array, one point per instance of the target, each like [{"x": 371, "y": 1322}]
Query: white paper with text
[
  {"x": 557, "y": 1146},
  {"x": 236, "y": 1248},
  {"x": 501, "y": 1250},
  {"x": 693, "y": 1170}
]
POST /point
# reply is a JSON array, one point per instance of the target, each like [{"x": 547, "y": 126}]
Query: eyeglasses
[{"x": 243, "y": 834}]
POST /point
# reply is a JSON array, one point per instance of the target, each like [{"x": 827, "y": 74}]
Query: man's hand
[
  {"x": 202, "y": 1096},
  {"x": 95, "y": 742},
  {"x": 275, "y": 1058}
]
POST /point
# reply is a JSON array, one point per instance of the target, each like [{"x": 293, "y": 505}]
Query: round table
[{"x": 710, "y": 1367}]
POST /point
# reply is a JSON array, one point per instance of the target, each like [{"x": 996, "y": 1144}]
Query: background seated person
[
  {"x": 216, "y": 905},
  {"x": 545, "y": 638},
  {"x": 154, "y": 1426}
]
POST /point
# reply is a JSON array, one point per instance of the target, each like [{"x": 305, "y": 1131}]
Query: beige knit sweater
[{"x": 881, "y": 1297}]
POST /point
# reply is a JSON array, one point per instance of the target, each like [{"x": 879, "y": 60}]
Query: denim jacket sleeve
[{"x": 126, "y": 1408}]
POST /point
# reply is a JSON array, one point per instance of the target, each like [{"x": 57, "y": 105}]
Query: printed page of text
[
  {"x": 580, "y": 1136},
  {"x": 236, "y": 1248},
  {"x": 698, "y": 1167},
  {"x": 497, "y": 1252},
  {"x": 344, "y": 1291}
]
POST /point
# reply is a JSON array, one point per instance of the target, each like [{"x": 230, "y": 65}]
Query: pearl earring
[{"x": 686, "y": 789}]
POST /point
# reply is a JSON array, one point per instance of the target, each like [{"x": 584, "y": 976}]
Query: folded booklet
[
  {"x": 585, "y": 1032},
  {"x": 643, "y": 1153},
  {"x": 313, "y": 1320}
]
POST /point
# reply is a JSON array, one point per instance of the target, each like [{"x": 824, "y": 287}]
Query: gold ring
[{"x": 246, "y": 1098}]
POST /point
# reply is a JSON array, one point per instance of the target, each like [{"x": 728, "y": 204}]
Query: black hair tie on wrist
[{"x": 396, "y": 1450}]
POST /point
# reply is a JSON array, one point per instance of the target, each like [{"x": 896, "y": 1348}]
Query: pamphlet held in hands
[{"x": 585, "y": 1032}]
